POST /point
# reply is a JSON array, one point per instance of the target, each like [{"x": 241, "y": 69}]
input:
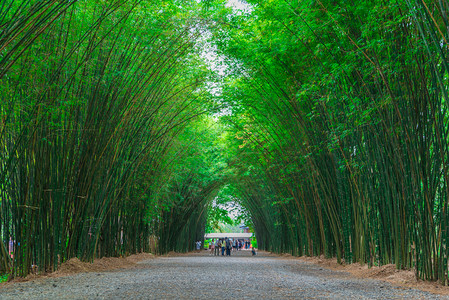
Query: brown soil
[
  {"x": 74, "y": 266},
  {"x": 174, "y": 254},
  {"x": 388, "y": 273}
]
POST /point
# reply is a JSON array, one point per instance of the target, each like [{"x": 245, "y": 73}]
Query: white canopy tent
[{"x": 235, "y": 235}]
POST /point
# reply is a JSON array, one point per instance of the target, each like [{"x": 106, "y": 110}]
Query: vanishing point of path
[{"x": 200, "y": 276}]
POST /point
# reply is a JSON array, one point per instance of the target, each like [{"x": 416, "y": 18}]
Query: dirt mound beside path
[
  {"x": 74, "y": 265},
  {"x": 388, "y": 273}
]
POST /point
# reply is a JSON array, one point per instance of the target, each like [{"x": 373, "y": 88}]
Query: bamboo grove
[
  {"x": 329, "y": 125},
  {"x": 95, "y": 96},
  {"x": 340, "y": 113}
]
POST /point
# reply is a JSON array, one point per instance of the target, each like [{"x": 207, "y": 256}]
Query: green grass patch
[{"x": 4, "y": 277}]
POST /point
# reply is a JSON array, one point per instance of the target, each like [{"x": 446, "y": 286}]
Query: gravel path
[{"x": 201, "y": 276}]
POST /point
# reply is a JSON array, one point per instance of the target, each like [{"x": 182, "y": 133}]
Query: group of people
[{"x": 227, "y": 245}]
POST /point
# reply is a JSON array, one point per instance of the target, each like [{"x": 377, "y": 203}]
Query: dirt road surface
[{"x": 201, "y": 276}]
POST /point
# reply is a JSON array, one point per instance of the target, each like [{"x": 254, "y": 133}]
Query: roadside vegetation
[
  {"x": 340, "y": 110},
  {"x": 122, "y": 122}
]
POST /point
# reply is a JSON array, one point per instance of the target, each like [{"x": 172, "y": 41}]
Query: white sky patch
[
  {"x": 215, "y": 61},
  {"x": 210, "y": 55},
  {"x": 239, "y": 5},
  {"x": 210, "y": 52},
  {"x": 233, "y": 209}
]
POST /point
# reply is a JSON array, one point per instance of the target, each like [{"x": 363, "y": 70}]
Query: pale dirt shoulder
[
  {"x": 74, "y": 266},
  {"x": 387, "y": 273}
]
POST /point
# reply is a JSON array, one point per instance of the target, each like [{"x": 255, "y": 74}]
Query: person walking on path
[
  {"x": 212, "y": 247},
  {"x": 228, "y": 247},
  {"x": 11, "y": 247},
  {"x": 223, "y": 246},
  {"x": 217, "y": 247},
  {"x": 198, "y": 245}
]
